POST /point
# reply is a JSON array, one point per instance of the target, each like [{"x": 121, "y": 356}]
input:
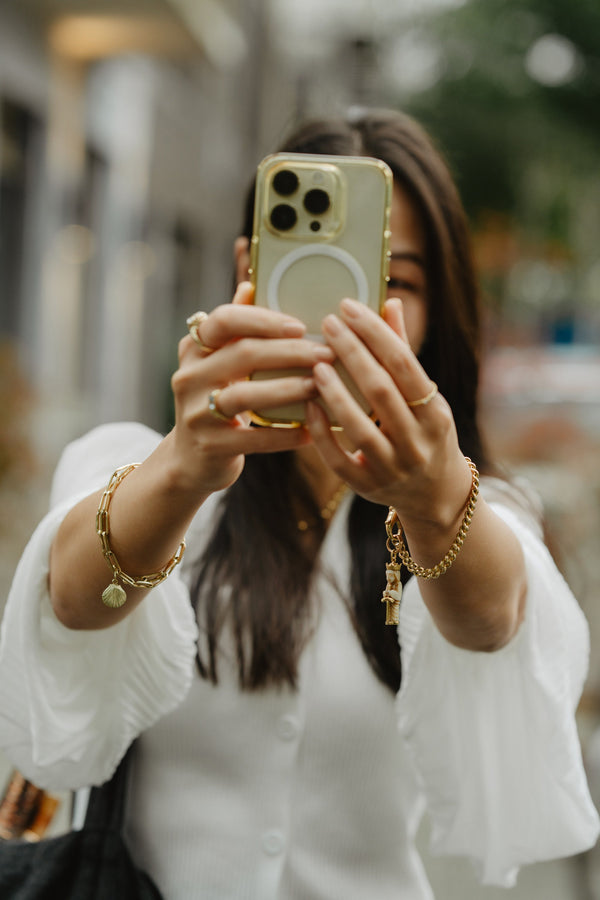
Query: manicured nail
[
  {"x": 293, "y": 329},
  {"x": 332, "y": 325},
  {"x": 351, "y": 308},
  {"x": 245, "y": 287},
  {"x": 324, "y": 353}
]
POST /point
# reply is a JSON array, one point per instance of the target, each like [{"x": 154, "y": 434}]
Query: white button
[
  {"x": 273, "y": 842},
  {"x": 287, "y": 728}
]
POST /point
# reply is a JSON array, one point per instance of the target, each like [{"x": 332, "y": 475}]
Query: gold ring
[
  {"x": 426, "y": 399},
  {"x": 214, "y": 409},
  {"x": 193, "y": 324}
]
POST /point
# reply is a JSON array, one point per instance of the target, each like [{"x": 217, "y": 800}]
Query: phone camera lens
[
  {"x": 315, "y": 226},
  {"x": 285, "y": 182},
  {"x": 283, "y": 217},
  {"x": 316, "y": 201}
]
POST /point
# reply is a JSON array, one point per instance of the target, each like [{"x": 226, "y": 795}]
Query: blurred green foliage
[
  {"x": 515, "y": 108},
  {"x": 500, "y": 127}
]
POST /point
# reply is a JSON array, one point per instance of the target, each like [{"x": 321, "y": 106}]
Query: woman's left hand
[{"x": 409, "y": 457}]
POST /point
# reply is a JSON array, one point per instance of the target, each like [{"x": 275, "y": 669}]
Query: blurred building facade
[
  {"x": 129, "y": 132},
  {"x": 127, "y": 138}
]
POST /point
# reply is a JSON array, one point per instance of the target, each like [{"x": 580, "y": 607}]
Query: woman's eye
[{"x": 396, "y": 284}]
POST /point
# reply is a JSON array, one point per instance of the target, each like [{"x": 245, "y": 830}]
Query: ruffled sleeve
[
  {"x": 71, "y": 702},
  {"x": 493, "y": 736}
]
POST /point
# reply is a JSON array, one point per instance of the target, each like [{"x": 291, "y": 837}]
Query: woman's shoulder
[
  {"x": 114, "y": 435},
  {"x": 90, "y": 459}
]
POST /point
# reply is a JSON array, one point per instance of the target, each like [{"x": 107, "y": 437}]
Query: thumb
[
  {"x": 244, "y": 293},
  {"x": 393, "y": 315}
]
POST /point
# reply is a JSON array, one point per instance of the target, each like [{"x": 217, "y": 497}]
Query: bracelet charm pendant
[
  {"x": 114, "y": 595},
  {"x": 399, "y": 551},
  {"x": 392, "y": 593}
]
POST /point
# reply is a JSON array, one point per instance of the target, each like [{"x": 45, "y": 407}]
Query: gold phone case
[{"x": 321, "y": 233}]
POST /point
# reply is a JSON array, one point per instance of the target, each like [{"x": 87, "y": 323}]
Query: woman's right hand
[
  {"x": 152, "y": 508},
  {"x": 208, "y": 451}
]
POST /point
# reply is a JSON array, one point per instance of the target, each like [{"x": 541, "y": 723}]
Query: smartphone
[{"x": 320, "y": 233}]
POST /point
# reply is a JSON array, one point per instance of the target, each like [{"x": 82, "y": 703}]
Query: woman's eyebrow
[{"x": 408, "y": 256}]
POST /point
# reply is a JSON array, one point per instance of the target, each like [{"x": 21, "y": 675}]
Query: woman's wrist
[
  {"x": 115, "y": 594},
  {"x": 437, "y": 511},
  {"x": 430, "y": 537},
  {"x": 151, "y": 511},
  {"x": 177, "y": 476}
]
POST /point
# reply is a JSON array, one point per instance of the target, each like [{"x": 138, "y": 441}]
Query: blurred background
[{"x": 129, "y": 130}]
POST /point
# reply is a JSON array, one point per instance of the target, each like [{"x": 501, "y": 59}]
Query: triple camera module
[{"x": 283, "y": 216}]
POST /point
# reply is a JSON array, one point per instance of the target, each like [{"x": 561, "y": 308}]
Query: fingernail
[
  {"x": 323, "y": 373},
  {"x": 324, "y": 353},
  {"x": 332, "y": 325},
  {"x": 351, "y": 308},
  {"x": 293, "y": 329}
]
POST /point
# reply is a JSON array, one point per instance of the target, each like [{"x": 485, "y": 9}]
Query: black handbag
[{"x": 91, "y": 864}]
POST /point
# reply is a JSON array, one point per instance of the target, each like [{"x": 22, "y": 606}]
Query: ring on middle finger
[
  {"x": 214, "y": 410},
  {"x": 423, "y": 401}
]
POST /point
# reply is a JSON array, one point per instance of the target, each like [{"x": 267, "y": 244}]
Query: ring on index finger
[
  {"x": 193, "y": 323},
  {"x": 423, "y": 401}
]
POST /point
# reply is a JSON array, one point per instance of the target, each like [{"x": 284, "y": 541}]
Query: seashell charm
[{"x": 114, "y": 595}]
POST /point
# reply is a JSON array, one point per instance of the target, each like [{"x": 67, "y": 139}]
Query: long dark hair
[{"x": 256, "y": 571}]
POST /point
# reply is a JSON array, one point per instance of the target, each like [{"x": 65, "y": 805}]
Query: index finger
[
  {"x": 241, "y": 318},
  {"x": 387, "y": 345}
]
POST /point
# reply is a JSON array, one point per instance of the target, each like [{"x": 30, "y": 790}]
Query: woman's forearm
[
  {"x": 478, "y": 603},
  {"x": 149, "y": 514}
]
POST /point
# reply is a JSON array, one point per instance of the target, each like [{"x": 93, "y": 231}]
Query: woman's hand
[
  {"x": 410, "y": 459},
  {"x": 154, "y": 505},
  {"x": 209, "y": 450}
]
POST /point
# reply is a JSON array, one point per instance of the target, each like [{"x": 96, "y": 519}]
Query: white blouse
[{"x": 313, "y": 793}]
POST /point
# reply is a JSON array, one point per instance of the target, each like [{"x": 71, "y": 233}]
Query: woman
[{"x": 288, "y": 747}]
